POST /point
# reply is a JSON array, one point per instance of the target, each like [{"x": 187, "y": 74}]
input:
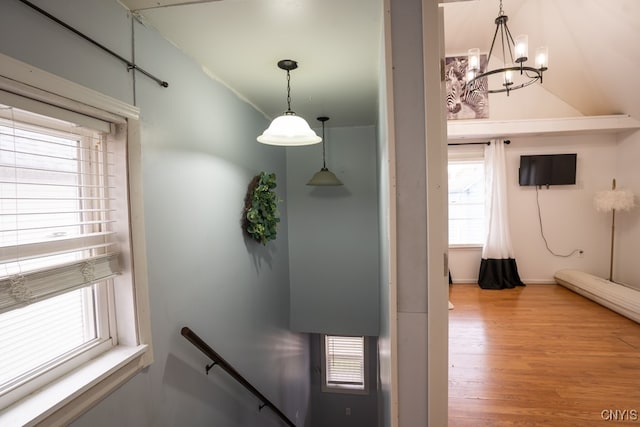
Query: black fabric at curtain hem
[{"x": 499, "y": 274}]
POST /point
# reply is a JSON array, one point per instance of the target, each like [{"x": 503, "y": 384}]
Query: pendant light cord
[{"x": 324, "y": 163}]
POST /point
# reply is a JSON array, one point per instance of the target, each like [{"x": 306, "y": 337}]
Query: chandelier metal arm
[
  {"x": 534, "y": 78},
  {"x": 493, "y": 42},
  {"x": 511, "y": 42}
]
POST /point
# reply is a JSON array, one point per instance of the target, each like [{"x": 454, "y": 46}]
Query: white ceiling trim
[{"x": 481, "y": 129}]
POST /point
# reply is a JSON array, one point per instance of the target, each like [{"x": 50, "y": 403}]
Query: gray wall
[
  {"x": 199, "y": 154},
  {"x": 333, "y": 235},
  {"x": 329, "y": 409}
]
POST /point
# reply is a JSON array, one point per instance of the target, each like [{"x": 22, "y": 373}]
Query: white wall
[
  {"x": 627, "y": 174},
  {"x": 569, "y": 218},
  {"x": 532, "y": 102},
  {"x": 199, "y": 154}
]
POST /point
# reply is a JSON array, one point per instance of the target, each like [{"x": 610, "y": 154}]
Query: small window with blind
[
  {"x": 345, "y": 364},
  {"x": 466, "y": 197}
]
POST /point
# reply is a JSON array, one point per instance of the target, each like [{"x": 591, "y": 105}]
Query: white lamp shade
[
  {"x": 619, "y": 200},
  {"x": 289, "y": 130}
]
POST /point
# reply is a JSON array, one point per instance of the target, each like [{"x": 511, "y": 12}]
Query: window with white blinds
[
  {"x": 466, "y": 198},
  {"x": 344, "y": 363},
  {"x": 74, "y": 300},
  {"x": 56, "y": 248}
]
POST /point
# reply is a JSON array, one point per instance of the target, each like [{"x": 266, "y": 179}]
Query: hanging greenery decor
[{"x": 261, "y": 216}]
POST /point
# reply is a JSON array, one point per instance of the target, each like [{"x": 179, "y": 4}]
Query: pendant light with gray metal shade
[{"x": 324, "y": 177}]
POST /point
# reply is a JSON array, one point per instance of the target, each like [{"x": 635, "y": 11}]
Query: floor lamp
[{"x": 611, "y": 201}]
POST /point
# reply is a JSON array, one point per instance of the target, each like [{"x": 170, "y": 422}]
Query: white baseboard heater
[{"x": 619, "y": 298}]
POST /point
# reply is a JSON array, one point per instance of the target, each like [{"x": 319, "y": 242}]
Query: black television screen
[{"x": 548, "y": 169}]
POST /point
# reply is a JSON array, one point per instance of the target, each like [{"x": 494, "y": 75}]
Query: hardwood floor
[{"x": 540, "y": 355}]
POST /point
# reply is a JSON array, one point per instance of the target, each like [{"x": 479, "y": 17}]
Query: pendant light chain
[{"x": 288, "y": 91}]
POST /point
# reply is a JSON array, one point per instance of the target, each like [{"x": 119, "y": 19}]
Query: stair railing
[{"x": 194, "y": 339}]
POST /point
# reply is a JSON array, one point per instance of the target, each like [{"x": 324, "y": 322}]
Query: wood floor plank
[{"x": 540, "y": 355}]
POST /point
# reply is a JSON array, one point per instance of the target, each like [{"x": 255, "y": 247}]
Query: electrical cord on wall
[{"x": 543, "y": 236}]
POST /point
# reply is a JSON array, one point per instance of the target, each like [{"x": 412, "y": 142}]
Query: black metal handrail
[{"x": 194, "y": 339}]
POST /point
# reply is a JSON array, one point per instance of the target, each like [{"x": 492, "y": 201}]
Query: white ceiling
[
  {"x": 335, "y": 42},
  {"x": 594, "y": 48}
]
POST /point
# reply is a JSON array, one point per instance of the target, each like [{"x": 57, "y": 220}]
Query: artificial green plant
[{"x": 261, "y": 215}]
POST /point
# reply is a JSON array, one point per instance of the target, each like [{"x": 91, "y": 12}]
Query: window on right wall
[
  {"x": 344, "y": 360},
  {"x": 466, "y": 198}
]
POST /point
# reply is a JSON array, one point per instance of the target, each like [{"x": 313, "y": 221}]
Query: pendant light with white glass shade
[
  {"x": 289, "y": 130},
  {"x": 324, "y": 177}
]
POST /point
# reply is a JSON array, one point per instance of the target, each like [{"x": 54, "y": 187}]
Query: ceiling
[{"x": 337, "y": 43}]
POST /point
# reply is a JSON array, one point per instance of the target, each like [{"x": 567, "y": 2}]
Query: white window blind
[
  {"x": 65, "y": 323},
  {"x": 466, "y": 200},
  {"x": 345, "y": 362},
  {"x": 56, "y": 243},
  {"x": 54, "y": 214}
]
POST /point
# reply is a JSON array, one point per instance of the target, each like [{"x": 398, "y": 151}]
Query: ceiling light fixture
[
  {"x": 324, "y": 177},
  {"x": 510, "y": 80},
  {"x": 289, "y": 130}
]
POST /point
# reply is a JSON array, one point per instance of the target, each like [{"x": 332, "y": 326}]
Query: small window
[
  {"x": 345, "y": 364},
  {"x": 466, "y": 200}
]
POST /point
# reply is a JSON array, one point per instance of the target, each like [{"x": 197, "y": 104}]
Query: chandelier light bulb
[
  {"x": 474, "y": 59},
  {"x": 508, "y": 76},
  {"x": 522, "y": 48},
  {"x": 471, "y": 74},
  {"x": 542, "y": 58}
]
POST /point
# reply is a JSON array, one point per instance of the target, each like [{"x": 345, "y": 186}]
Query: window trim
[
  {"x": 326, "y": 388},
  {"x": 65, "y": 399}
]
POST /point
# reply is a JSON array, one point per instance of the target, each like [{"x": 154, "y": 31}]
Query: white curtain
[{"x": 498, "y": 268}]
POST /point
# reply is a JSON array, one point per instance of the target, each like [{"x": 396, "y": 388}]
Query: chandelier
[{"x": 515, "y": 53}]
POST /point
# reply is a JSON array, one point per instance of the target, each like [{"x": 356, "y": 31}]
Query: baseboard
[{"x": 526, "y": 281}]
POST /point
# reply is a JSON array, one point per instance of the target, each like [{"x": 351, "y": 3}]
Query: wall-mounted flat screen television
[{"x": 548, "y": 169}]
